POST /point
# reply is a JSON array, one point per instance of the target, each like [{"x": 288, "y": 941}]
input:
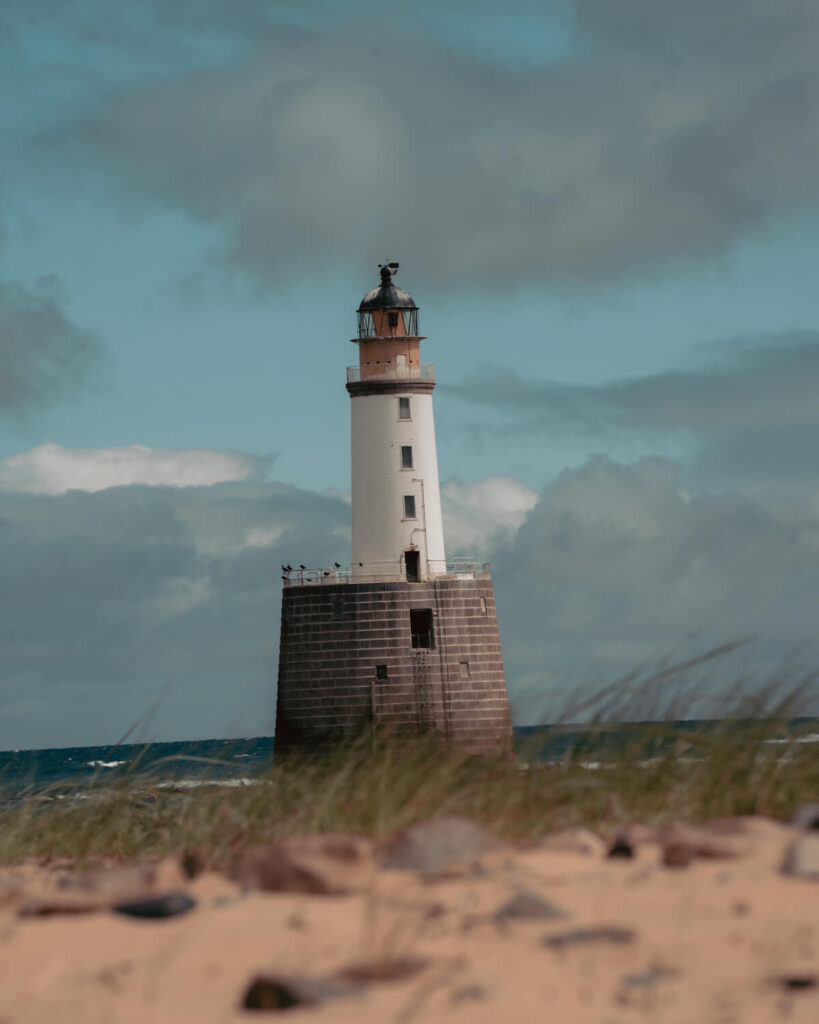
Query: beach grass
[
  {"x": 374, "y": 786},
  {"x": 750, "y": 755}
]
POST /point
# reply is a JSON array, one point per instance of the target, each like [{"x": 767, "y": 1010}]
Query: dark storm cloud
[
  {"x": 750, "y": 406},
  {"x": 666, "y": 134},
  {"x": 43, "y": 355}
]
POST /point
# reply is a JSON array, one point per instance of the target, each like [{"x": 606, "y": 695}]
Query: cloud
[
  {"x": 52, "y": 469},
  {"x": 655, "y": 138},
  {"x": 618, "y": 565},
  {"x": 43, "y": 355},
  {"x": 748, "y": 406},
  {"x": 478, "y": 514},
  {"x": 116, "y": 601}
]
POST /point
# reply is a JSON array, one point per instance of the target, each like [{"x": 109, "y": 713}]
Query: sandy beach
[{"x": 716, "y": 923}]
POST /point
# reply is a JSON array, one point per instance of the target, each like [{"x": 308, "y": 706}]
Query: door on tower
[{"x": 411, "y": 562}]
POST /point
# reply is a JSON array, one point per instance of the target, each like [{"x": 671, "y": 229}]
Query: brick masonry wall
[{"x": 333, "y": 637}]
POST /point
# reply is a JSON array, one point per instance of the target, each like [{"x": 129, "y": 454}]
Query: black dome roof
[{"x": 387, "y": 295}]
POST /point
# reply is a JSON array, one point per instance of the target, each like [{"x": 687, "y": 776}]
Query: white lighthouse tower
[
  {"x": 398, "y": 530},
  {"x": 401, "y": 639}
]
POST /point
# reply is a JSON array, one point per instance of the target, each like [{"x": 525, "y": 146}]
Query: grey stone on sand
[
  {"x": 528, "y": 905},
  {"x": 806, "y": 817},
  {"x": 169, "y": 904},
  {"x": 331, "y": 863},
  {"x": 802, "y": 858},
  {"x": 615, "y": 934},
  {"x": 438, "y": 847}
]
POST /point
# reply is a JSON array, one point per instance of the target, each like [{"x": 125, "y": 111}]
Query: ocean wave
[
  {"x": 811, "y": 737},
  {"x": 199, "y": 783},
  {"x": 105, "y": 764}
]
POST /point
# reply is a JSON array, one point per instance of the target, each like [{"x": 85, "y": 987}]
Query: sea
[{"x": 65, "y": 772}]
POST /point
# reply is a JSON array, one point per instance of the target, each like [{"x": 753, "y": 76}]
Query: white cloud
[
  {"x": 52, "y": 469},
  {"x": 476, "y": 513}
]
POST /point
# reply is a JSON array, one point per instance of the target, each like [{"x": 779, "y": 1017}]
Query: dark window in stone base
[
  {"x": 381, "y": 672},
  {"x": 421, "y": 627}
]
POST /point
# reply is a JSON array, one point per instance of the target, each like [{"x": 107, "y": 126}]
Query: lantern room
[
  {"x": 388, "y": 311},
  {"x": 387, "y": 332}
]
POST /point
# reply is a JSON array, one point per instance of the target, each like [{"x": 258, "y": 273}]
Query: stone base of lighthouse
[{"x": 408, "y": 658}]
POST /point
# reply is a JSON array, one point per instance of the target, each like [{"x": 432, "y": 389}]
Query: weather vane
[{"x": 390, "y": 268}]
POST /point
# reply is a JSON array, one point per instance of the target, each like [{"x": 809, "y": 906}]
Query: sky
[{"x": 608, "y": 214}]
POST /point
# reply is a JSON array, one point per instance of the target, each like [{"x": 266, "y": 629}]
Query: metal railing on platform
[
  {"x": 389, "y": 371},
  {"x": 379, "y": 573}
]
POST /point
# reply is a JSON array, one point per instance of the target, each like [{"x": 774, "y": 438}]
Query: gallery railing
[
  {"x": 389, "y": 371},
  {"x": 379, "y": 573}
]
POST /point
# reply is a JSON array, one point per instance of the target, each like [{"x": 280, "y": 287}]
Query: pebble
[
  {"x": 622, "y": 847},
  {"x": 281, "y": 992},
  {"x": 806, "y": 817},
  {"x": 585, "y": 936},
  {"x": 683, "y": 843},
  {"x": 527, "y": 904},
  {"x": 169, "y": 904},
  {"x": 331, "y": 863},
  {"x": 802, "y": 858},
  {"x": 797, "y": 982},
  {"x": 438, "y": 847},
  {"x": 647, "y": 978}
]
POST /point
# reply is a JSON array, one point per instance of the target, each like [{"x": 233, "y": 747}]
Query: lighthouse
[
  {"x": 397, "y": 524},
  {"x": 401, "y": 639}
]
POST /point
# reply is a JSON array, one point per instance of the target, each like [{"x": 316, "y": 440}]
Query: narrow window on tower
[
  {"x": 381, "y": 672},
  {"x": 464, "y": 670},
  {"x": 483, "y": 606},
  {"x": 404, "y": 408},
  {"x": 406, "y": 456},
  {"x": 409, "y": 506}
]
